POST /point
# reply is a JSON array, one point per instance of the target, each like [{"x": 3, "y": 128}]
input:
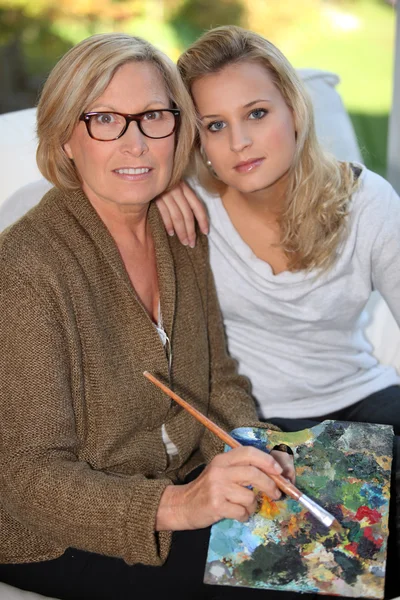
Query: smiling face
[
  {"x": 133, "y": 169},
  {"x": 247, "y": 130}
]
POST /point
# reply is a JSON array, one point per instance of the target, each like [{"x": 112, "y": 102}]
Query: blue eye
[
  {"x": 258, "y": 113},
  {"x": 216, "y": 126}
]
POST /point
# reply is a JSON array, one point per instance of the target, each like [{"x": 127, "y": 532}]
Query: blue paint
[{"x": 373, "y": 496}]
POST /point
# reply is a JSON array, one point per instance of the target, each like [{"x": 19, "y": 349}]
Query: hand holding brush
[{"x": 273, "y": 470}]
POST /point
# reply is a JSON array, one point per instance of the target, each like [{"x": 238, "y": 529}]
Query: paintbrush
[{"x": 283, "y": 484}]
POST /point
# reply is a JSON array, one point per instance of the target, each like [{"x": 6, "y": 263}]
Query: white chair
[{"x": 7, "y": 592}]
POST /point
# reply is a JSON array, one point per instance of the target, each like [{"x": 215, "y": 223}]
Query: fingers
[
  {"x": 240, "y": 503},
  {"x": 221, "y": 490},
  {"x": 179, "y": 208},
  {"x": 182, "y": 216},
  {"x": 247, "y": 455},
  {"x": 166, "y": 217},
  {"x": 286, "y": 461},
  {"x": 237, "y": 512},
  {"x": 198, "y": 208},
  {"x": 209, "y": 498},
  {"x": 252, "y": 476},
  {"x": 176, "y": 221},
  {"x": 244, "y": 497},
  {"x": 249, "y": 466},
  {"x": 226, "y": 496}
]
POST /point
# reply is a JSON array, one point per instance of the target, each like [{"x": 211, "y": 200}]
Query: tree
[{"x": 193, "y": 17}]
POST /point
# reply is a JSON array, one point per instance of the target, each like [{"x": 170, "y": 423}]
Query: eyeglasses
[{"x": 108, "y": 126}]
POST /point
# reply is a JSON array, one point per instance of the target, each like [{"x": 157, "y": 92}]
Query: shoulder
[
  {"x": 25, "y": 245},
  {"x": 199, "y": 255},
  {"x": 374, "y": 216},
  {"x": 25, "y": 198},
  {"x": 374, "y": 189},
  {"x": 375, "y": 200}
]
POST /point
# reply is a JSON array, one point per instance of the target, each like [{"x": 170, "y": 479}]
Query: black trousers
[{"x": 79, "y": 575}]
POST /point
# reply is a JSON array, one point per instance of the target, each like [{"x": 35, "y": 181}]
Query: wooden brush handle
[{"x": 285, "y": 486}]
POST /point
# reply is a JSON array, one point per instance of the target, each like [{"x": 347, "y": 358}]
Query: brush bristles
[
  {"x": 337, "y": 528},
  {"x": 315, "y": 509}
]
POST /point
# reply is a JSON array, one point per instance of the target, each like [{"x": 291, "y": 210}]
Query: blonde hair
[
  {"x": 79, "y": 78},
  {"x": 319, "y": 186}
]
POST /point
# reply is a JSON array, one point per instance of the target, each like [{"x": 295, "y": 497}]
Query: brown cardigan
[{"x": 82, "y": 461}]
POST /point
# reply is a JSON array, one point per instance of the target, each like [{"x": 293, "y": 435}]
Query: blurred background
[{"x": 353, "y": 38}]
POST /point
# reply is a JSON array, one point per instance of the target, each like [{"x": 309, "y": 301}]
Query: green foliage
[
  {"x": 354, "y": 38},
  {"x": 161, "y": 34},
  {"x": 41, "y": 49},
  {"x": 194, "y": 17},
  {"x": 273, "y": 18},
  {"x": 372, "y": 134}
]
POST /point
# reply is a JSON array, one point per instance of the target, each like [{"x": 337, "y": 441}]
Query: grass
[
  {"x": 356, "y": 41},
  {"x": 372, "y": 135}
]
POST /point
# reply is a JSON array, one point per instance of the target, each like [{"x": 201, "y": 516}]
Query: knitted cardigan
[{"x": 82, "y": 461}]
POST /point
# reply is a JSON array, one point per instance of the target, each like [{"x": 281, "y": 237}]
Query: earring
[{"x": 207, "y": 163}]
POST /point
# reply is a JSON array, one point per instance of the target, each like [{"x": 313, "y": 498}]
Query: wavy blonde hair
[
  {"x": 319, "y": 186},
  {"x": 79, "y": 78}
]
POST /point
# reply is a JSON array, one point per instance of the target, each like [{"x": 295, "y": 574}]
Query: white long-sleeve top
[{"x": 297, "y": 337}]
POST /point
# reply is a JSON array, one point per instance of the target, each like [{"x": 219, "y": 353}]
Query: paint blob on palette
[{"x": 346, "y": 468}]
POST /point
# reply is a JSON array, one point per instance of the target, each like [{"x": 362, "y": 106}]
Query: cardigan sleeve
[
  {"x": 230, "y": 403},
  {"x": 44, "y": 485}
]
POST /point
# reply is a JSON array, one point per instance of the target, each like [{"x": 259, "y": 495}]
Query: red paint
[
  {"x": 353, "y": 547},
  {"x": 369, "y": 534},
  {"x": 371, "y": 514}
]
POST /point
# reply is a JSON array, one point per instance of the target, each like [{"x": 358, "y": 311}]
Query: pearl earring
[{"x": 208, "y": 163}]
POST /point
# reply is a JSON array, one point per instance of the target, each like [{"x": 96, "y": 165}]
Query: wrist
[{"x": 170, "y": 514}]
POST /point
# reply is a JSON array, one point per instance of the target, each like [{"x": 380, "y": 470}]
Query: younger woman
[{"x": 298, "y": 240}]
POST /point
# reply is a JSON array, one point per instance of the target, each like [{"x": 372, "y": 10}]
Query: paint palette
[{"x": 346, "y": 468}]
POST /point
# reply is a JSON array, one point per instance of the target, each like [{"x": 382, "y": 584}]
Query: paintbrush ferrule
[{"x": 315, "y": 509}]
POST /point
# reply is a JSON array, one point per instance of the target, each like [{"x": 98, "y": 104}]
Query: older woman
[{"x": 92, "y": 293}]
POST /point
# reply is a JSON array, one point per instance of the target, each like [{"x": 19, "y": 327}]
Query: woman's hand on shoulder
[
  {"x": 179, "y": 208},
  {"x": 222, "y": 490}
]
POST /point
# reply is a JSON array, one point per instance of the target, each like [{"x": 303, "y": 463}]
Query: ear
[{"x": 67, "y": 150}]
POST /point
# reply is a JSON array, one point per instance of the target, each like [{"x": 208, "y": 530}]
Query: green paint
[
  {"x": 333, "y": 491},
  {"x": 351, "y": 497},
  {"x": 336, "y": 463},
  {"x": 296, "y": 438},
  {"x": 351, "y": 566},
  {"x": 314, "y": 481},
  {"x": 275, "y": 563},
  {"x": 354, "y": 532}
]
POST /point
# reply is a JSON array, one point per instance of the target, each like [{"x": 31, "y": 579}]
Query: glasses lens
[
  {"x": 106, "y": 126},
  {"x": 158, "y": 123}
]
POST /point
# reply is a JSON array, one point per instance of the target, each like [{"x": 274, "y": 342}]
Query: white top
[
  {"x": 297, "y": 337},
  {"x": 170, "y": 447}
]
